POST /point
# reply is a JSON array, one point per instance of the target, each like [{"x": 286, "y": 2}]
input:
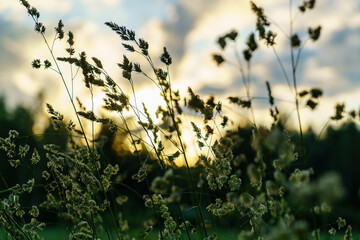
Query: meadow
[{"x": 135, "y": 179}]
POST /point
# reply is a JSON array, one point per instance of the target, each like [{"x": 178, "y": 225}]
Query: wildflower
[
  {"x": 348, "y": 234},
  {"x": 59, "y": 30},
  {"x": 165, "y": 57},
  {"x": 23, "y": 150},
  {"x": 36, "y": 63},
  {"x": 339, "y": 111},
  {"x": 13, "y": 134},
  {"x": 332, "y": 231},
  {"x": 234, "y": 183},
  {"x": 45, "y": 175},
  {"x": 219, "y": 59},
  {"x": 246, "y": 199},
  {"x": 14, "y": 163},
  {"x": 122, "y": 199},
  {"x": 34, "y": 211},
  {"x": 341, "y": 222},
  {"x": 51, "y": 148},
  {"x": 325, "y": 207},
  {"x": 295, "y": 41}
]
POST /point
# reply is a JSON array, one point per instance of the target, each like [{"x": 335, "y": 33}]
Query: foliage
[{"x": 271, "y": 192}]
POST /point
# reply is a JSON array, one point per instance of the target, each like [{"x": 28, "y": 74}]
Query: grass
[
  {"x": 267, "y": 194},
  {"x": 223, "y": 234}
]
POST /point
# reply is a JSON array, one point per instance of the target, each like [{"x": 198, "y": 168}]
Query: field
[{"x": 191, "y": 169}]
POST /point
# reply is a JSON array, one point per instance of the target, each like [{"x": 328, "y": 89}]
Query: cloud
[
  {"x": 197, "y": 7},
  {"x": 189, "y": 30},
  {"x": 326, "y": 77},
  {"x": 56, "y": 6},
  {"x": 14, "y": 11},
  {"x": 155, "y": 34},
  {"x": 15, "y": 62},
  {"x": 179, "y": 24},
  {"x": 109, "y": 3},
  {"x": 341, "y": 51},
  {"x": 190, "y": 37},
  {"x": 20, "y": 45},
  {"x": 331, "y": 63}
]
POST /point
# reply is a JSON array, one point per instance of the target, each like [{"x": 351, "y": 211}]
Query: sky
[{"x": 189, "y": 30}]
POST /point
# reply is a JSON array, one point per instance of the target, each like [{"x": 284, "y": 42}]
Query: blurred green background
[{"x": 338, "y": 150}]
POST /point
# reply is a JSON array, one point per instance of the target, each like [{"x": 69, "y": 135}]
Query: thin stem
[
  {"x": 4, "y": 181},
  {"x": 279, "y": 27},
  {"x": 282, "y": 68},
  {"x": 53, "y": 42},
  {"x": 138, "y": 112},
  {"x": 92, "y": 122},
  {"x": 72, "y": 81},
  {"x": 295, "y": 86},
  {"x": 143, "y": 165},
  {"x": 299, "y": 52},
  {"x": 66, "y": 87},
  {"x": 185, "y": 158},
  {"x": 172, "y": 115},
  {"x": 181, "y": 213},
  {"x": 93, "y": 227},
  {"x": 318, "y": 138},
  {"x": 77, "y": 71},
  {"x": 248, "y": 92},
  {"x": 6, "y": 190},
  {"x": 81, "y": 126},
  {"x": 133, "y": 92},
  {"x": 53, "y": 70},
  {"x": 246, "y": 81},
  {"x": 10, "y": 219},
  {"x": 58, "y": 207},
  {"x": 314, "y": 223}
]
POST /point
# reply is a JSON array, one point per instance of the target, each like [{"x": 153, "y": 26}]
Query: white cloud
[
  {"x": 205, "y": 21},
  {"x": 324, "y": 76},
  {"x": 172, "y": 13},
  {"x": 55, "y": 6},
  {"x": 197, "y": 70},
  {"x": 101, "y": 43},
  {"x": 153, "y": 32},
  {"x": 197, "y": 7},
  {"x": 14, "y": 11},
  {"x": 220, "y": 19},
  {"x": 109, "y": 3}
]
